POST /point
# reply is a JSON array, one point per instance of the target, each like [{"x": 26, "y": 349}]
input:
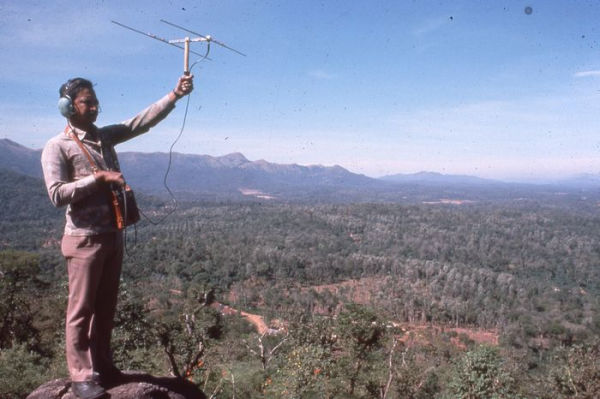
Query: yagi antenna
[
  {"x": 208, "y": 38},
  {"x": 186, "y": 43}
]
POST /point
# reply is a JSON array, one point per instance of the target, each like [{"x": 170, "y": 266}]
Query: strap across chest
[{"x": 91, "y": 160}]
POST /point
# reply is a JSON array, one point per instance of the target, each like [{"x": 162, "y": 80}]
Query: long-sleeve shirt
[{"x": 69, "y": 176}]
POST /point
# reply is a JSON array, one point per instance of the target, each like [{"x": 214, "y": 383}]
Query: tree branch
[{"x": 390, "y": 368}]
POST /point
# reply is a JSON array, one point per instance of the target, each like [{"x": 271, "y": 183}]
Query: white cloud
[{"x": 584, "y": 74}]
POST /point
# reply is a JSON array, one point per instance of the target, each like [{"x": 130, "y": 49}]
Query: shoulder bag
[{"x": 125, "y": 209}]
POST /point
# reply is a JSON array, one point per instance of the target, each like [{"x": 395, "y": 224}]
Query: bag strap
[
  {"x": 72, "y": 134},
  {"x": 113, "y": 199}
]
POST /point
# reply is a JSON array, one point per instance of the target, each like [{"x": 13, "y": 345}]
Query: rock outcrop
[{"x": 135, "y": 385}]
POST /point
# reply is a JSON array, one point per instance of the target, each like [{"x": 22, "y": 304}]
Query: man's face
[{"x": 85, "y": 105}]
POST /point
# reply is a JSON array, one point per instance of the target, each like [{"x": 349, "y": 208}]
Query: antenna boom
[
  {"x": 150, "y": 35},
  {"x": 208, "y": 38}
]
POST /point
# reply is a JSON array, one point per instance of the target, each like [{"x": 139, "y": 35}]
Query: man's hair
[{"x": 74, "y": 86}]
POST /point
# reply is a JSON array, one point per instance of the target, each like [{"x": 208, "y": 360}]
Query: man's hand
[
  {"x": 109, "y": 176},
  {"x": 184, "y": 86}
]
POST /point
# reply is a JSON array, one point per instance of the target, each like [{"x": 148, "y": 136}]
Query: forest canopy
[{"x": 365, "y": 299}]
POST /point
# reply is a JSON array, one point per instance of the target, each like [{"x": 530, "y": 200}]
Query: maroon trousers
[{"x": 94, "y": 267}]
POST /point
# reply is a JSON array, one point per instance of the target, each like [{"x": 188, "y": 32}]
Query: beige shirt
[{"x": 69, "y": 177}]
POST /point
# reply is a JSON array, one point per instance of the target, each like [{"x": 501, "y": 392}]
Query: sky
[{"x": 508, "y": 90}]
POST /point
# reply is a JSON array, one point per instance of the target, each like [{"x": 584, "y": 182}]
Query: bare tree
[{"x": 262, "y": 353}]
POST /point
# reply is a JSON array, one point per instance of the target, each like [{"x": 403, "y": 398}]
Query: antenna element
[{"x": 186, "y": 42}]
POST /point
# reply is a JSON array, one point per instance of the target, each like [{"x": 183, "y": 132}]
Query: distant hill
[
  {"x": 233, "y": 177},
  {"x": 20, "y": 159},
  {"x": 583, "y": 180},
  {"x": 437, "y": 178},
  {"x": 203, "y": 176},
  {"x": 24, "y": 198}
]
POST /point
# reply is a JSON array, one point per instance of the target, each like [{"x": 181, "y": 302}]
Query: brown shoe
[{"x": 87, "y": 389}]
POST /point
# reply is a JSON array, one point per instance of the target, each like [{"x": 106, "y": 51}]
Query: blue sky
[{"x": 379, "y": 87}]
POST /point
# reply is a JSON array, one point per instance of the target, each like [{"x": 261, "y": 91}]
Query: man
[{"x": 92, "y": 244}]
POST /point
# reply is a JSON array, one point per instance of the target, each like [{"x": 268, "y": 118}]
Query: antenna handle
[{"x": 186, "y": 56}]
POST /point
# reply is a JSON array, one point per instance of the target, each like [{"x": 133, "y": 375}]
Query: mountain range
[
  {"x": 437, "y": 178},
  {"x": 234, "y": 177}
]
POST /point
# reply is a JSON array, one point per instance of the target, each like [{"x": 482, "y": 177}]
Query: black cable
[
  {"x": 173, "y": 199},
  {"x": 166, "y": 186}
]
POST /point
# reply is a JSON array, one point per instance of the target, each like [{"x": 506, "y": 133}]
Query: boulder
[{"x": 135, "y": 385}]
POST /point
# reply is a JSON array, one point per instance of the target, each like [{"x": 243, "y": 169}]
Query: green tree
[
  {"x": 185, "y": 330},
  {"x": 134, "y": 340},
  {"x": 21, "y": 371},
  {"x": 479, "y": 374},
  {"x": 576, "y": 373},
  {"x": 360, "y": 333},
  {"x": 18, "y": 288}
]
